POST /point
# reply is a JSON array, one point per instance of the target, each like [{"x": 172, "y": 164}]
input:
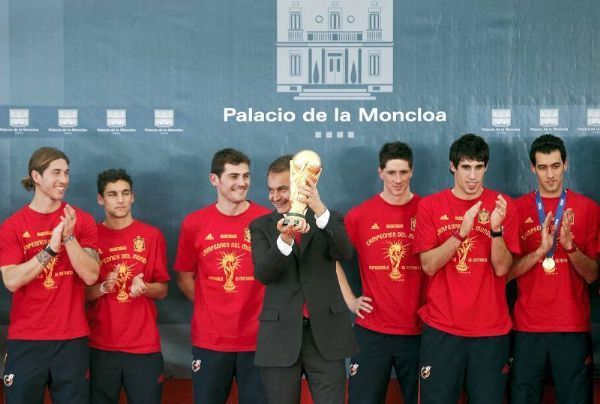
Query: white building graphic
[
  {"x": 116, "y": 118},
  {"x": 501, "y": 118},
  {"x": 549, "y": 117},
  {"x": 18, "y": 118},
  {"x": 164, "y": 118},
  {"x": 335, "y": 50},
  {"x": 593, "y": 117},
  {"x": 68, "y": 118}
]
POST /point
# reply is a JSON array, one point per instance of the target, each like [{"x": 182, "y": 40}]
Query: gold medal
[{"x": 548, "y": 264}]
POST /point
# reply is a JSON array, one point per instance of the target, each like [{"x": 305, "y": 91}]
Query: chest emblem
[
  {"x": 229, "y": 263},
  {"x": 483, "y": 216},
  {"x": 395, "y": 253},
  {"x": 139, "y": 244}
]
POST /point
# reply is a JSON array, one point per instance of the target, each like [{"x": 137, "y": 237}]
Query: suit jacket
[{"x": 308, "y": 273}]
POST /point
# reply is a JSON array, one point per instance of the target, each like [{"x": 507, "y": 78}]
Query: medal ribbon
[{"x": 557, "y": 218}]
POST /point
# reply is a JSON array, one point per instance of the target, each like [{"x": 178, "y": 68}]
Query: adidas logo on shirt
[
  {"x": 375, "y": 226},
  {"x": 209, "y": 237},
  {"x": 26, "y": 234},
  {"x": 444, "y": 217},
  {"x": 529, "y": 220}
]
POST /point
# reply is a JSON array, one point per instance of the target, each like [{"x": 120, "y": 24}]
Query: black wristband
[
  {"x": 495, "y": 234},
  {"x": 50, "y": 251}
]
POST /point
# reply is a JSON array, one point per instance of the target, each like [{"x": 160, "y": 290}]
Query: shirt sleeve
[
  {"x": 510, "y": 227},
  {"x": 322, "y": 220},
  {"x": 185, "y": 260},
  {"x": 86, "y": 231},
  {"x": 285, "y": 248},
  {"x": 425, "y": 235},
  {"x": 351, "y": 227},
  {"x": 591, "y": 248},
  {"x": 11, "y": 246},
  {"x": 157, "y": 262}
]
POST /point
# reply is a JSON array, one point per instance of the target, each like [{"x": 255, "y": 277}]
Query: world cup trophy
[{"x": 305, "y": 166}]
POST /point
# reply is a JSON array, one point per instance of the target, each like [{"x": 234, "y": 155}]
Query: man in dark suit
[{"x": 304, "y": 323}]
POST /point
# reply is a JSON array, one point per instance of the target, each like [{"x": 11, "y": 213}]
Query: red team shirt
[
  {"x": 117, "y": 321},
  {"x": 555, "y": 300},
  {"x": 383, "y": 236},
  {"x": 227, "y": 299},
  {"x": 465, "y": 297},
  {"x": 50, "y": 307}
]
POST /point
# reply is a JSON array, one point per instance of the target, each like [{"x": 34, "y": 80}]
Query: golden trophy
[
  {"x": 462, "y": 252},
  {"x": 305, "y": 166}
]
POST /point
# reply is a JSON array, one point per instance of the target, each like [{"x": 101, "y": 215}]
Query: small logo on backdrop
[
  {"x": 505, "y": 369},
  {"x": 588, "y": 360},
  {"x": 196, "y": 365},
  {"x": 116, "y": 118},
  {"x": 501, "y": 118},
  {"x": 68, "y": 118},
  {"x": 161, "y": 379},
  {"x": 425, "y": 372},
  {"x": 549, "y": 117},
  {"x": 593, "y": 117},
  {"x": 164, "y": 118},
  {"x": 353, "y": 369},
  {"x": 18, "y": 118},
  {"x": 8, "y": 379}
]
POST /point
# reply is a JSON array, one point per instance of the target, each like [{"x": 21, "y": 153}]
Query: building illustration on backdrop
[{"x": 335, "y": 50}]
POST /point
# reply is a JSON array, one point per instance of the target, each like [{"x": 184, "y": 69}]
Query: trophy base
[{"x": 292, "y": 217}]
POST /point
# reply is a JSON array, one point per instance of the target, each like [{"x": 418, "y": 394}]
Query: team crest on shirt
[
  {"x": 246, "y": 234},
  {"x": 483, "y": 216},
  {"x": 196, "y": 365},
  {"x": 353, "y": 369},
  {"x": 139, "y": 244},
  {"x": 425, "y": 372},
  {"x": 413, "y": 223},
  {"x": 8, "y": 379}
]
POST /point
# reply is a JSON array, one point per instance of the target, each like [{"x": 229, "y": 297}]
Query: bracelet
[
  {"x": 495, "y": 234},
  {"x": 102, "y": 289},
  {"x": 50, "y": 251},
  {"x": 572, "y": 249},
  {"x": 457, "y": 236},
  {"x": 69, "y": 239}
]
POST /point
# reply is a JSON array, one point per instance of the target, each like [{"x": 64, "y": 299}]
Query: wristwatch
[
  {"x": 572, "y": 249},
  {"x": 50, "y": 251},
  {"x": 495, "y": 234}
]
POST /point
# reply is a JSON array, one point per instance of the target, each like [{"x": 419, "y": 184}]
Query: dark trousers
[
  {"x": 448, "y": 362},
  {"x": 141, "y": 375},
  {"x": 326, "y": 379},
  {"x": 566, "y": 355},
  {"x": 371, "y": 368},
  {"x": 213, "y": 373},
  {"x": 62, "y": 365}
]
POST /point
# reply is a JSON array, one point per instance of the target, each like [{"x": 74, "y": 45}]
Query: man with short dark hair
[
  {"x": 214, "y": 270},
  {"x": 304, "y": 322},
  {"x": 387, "y": 326},
  {"x": 558, "y": 229},
  {"x": 48, "y": 255},
  {"x": 124, "y": 338},
  {"x": 465, "y": 236}
]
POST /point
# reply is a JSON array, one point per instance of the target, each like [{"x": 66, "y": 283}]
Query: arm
[
  {"x": 100, "y": 289},
  {"x": 153, "y": 290},
  {"x": 187, "y": 283},
  {"x": 331, "y": 223},
  {"x": 355, "y": 304},
  {"x": 522, "y": 265},
  {"x": 15, "y": 276},
  {"x": 434, "y": 259},
  {"x": 85, "y": 261},
  {"x": 500, "y": 255},
  {"x": 267, "y": 257},
  {"x": 586, "y": 267}
]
